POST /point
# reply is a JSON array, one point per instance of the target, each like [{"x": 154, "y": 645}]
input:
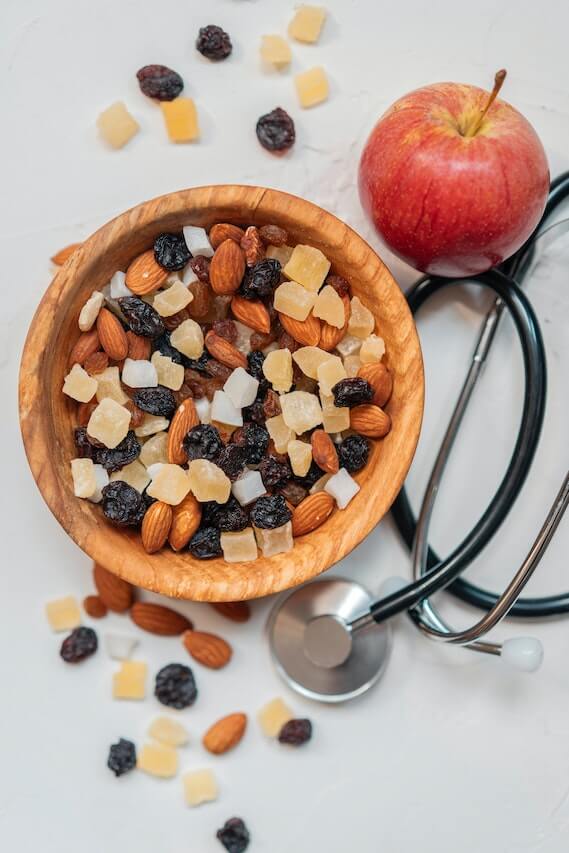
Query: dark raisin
[
  {"x": 226, "y": 329},
  {"x": 313, "y": 474},
  {"x": 273, "y": 472},
  {"x": 272, "y": 451},
  {"x": 122, "y": 757},
  {"x": 286, "y": 341},
  {"x": 261, "y": 279},
  {"x": 123, "y": 454},
  {"x": 156, "y": 401},
  {"x": 171, "y": 252},
  {"x": 275, "y": 130},
  {"x": 213, "y": 43},
  {"x": 255, "y": 361},
  {"x": 203, "y": 442},
  {"x": 271, "y": 404},
  {"x": 209, "y": 513},
  {"x": 231, "y": 516},
  {"x": 200, "y": 265},
  {"x": 163, "y": 346},
  {"x": 339, "y": 284},
  {"x": 294, "y": 493},
  {"x": 255, "y": 439},
  {"x": 254, "y": 413},
  {"x": 80, "y": 644},
  {"x": 174, "y": 320},
  {"x": 353, "y": 453},
  {"x": 217, "y": 369},
  {"x": 160, "y": 82},
  {"x": 234, "y": 835},
  {"x": 259, "y": 340},
  {"x": 352, "y": 392},
  {"x": 175, "y": 686},
  {"x": 296, "y": 732},
  {"x": 199, "y": 364},
  {"x": 85, "y": 449},
  {"x": 273, "y": 234},
  {"x": 205, "y": 543},
  {"x": 232, "y": 460},
  {"x": 270, "y": 512},
  {"x": 123, "y": 504},
  {"x": 141, "y": 317}
]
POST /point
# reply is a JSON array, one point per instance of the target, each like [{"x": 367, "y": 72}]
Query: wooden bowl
[{"x": 47, "y": 416}]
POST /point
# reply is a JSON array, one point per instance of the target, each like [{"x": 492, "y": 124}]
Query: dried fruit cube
[
  {"x": 312, "y": 87},
  {"x": 300, "y": 455},
  {"x": 307, "y": 23},
  {"x": 280, "y": 433},
  {"x": 279, "y": 253},
  {"x": 151, "y": 425},
  {"x": 116, "y": 125},
  {"x": 135, "y": 474},
  {"x": 208, "y": 482},
  {"x": 273, "y": 716},
  {"x": 181, "y": 119},
  {"x": 301, "y": 411},
  {"x": 200, "y": 787},
  {"x": 329, "y": 307},
  {"x": 239, "y": 547},
  {"x": 373, "y": 349},
  {"x": 342, "y": 487},
  {"x": 275, "y": 50},
  {"x": 308, "y": 266},
  {"x": 170, "y": 374},
  {"x": 168, "y": 731},
  {"x": 117, "y": 286},
  {"x": 84, "y": 482},
  {"x": 241, "y": 388},
  {"x": 109, "y": 423},
  {"x": 158, "y": 760},
  {"x": 294, "y": 300},
  {"x": 223, "y": 411},
  {"x": 277, "y": 368},
  {"x": 63, "y": 614},
  {"x": 129, "y": 682},
  {"x": 248, "y": 487},
  {"x": 349, "y": 345},
  {"x": 309, "y": 360},
  {"x": 188, "y": 339},
  {"x": 170, "y": 485},
  {"x": 139, "y": 374},
  {"x": 90, "y": 311},
  {"x": 334, "y": 418},
  {"x": 155, "y": 449},
  {"x": 352, "y": 364},
  {"x": 361, "y": 322},
  {"x": 120, "y": 646},
  {"x": 79, "y": 385},
  {"x": 330, "y": 372},
  {"x": 109, "y": 385},
  {"x": 197, "y": 241},
  {"x": 275, "y": 541},
  {"x": 173, "y": 299},
  {"x": 243, "y": 340},
  {"x": 203, "y": 410},
  {"x": 102, "y": 480}
]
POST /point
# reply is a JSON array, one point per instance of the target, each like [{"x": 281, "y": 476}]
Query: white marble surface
[{"x": 449, "y": 752}]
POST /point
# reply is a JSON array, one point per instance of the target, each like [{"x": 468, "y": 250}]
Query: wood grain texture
[{"x": 48, "y": 417}]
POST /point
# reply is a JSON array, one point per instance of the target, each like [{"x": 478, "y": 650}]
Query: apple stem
[{"x": 499, "y": 78}]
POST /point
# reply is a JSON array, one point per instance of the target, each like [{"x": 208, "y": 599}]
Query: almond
[
  {"x": 252, "y": 246},
  {"x": 156, "y": 526},
  {"x": 158, "y": 619},
  {"x": 236, "y": 611},
  {"x": 225, "y": 734},
  {"x": 84, "y": 412},
  {"x": 306, "y": 332},
  {"x": 186, "y": 517},
  {"x": 138, "y": 347},
  {"x": 64, "y": 254},
  {"x": 381, "y": 380},
  {"x": 331, "y": 336},
  {"x": 311, "y": 513},
  {"x": 116, "y": 593},
  {"x": 252, "y": 313},
  {"x": 96, "y": 362},
  {"x": 87, "y": 344},
  {"x": 184, "y": 419},
  {"x": 112, "y": 335},
  {"x": 324, "y": 451},
  {"x": 370, "y": 420},
  {"x": 224, "y": 231},
  {"x": 94, "y": 606},
  {"x": 208, "y": 649},
  {"x": 144, "y": 275},
  {"x": 227, "y": 268},
  {"x": 224, "y": 352}
]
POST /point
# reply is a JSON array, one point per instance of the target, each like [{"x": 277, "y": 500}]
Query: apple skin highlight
[{"x": 446, "y": 202}]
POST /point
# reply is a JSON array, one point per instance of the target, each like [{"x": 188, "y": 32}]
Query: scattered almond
[
  {"x": 252, "y": 313},
  {"x": 208, "y": 649},
  {"x": 116, "y": 593},
  {"x": 138, "y": 347},
  {"x": 225, "y": 734},
  {"x": 306, "y": 332},
  {"x": 227, "y": 267},
  {"x": 252, "y": 246},
  {"x": 112, "y": 335},
  {"x": 184, "y": 419},
  {"x": 324, "y": 451},
  {"x": 311, "y": 513},
  {"x": 224, "y": 352},
  {"x": 156, "y": 526},
  {"x": 186, "y": 517},
  {"x": 381, "y": 380},
  {"x": 64, "y": 254},
  {"x": 158, "y": 619},
  {"x": 236, "y": 611},
  {"x": 94, "y": 607},
  {"x": 330, "y": 336},
  {"x": 370, "y": 420},
  {"x": 145, "y": 275},
  {"x": 96, "y": 362},
  {"x": 224, "y": 231},
  {"x": 87, "y": 344}
]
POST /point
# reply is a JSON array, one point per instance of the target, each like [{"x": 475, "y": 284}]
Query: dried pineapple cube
[
  {"x": 307, "y": 23},
  {"x": 329, "y": 307},
  {"x": 203, "y": 410},
  {"x": 109, "y": 423},
  {"x": 301, "y": 411},
  {"x": 352, "y": 364},
  {"x": 188, "y": 337},
  {"x": 241, "y": 387},
  {"x": 329, "y": 373},
  {"x": 168, "y": 731},
  {"x": 200, "y": 787},
  {"x": 79, "y": 385},
  {"x": 243, "y": 340},
  {"x": 275, "y": 541},
  {"x": 170, "y": 301},
  {"x": 158, "y": 760},
  {"x": 248, "y": 487},
  {"x": 208, "y": 482},
  {"x": 342, "y": 487},
  {"x": 223, "y": 411},
  {"x": 151, "y": 425},
  {"x": 312, "y": 87},
  {"x": 361, "y": 323},
  {"x": 181, "y": 118},
  {"x": 197, "y": 240},
  {"x": 84, "y": 482},
  {"x": 134, "y": 474},
  {"x": 279, "y": 432},
  {"x": 90, "y": 311},
  {"x": 129, "y": 682},
  {"x": 373, "y": 349},
  {"x": 170, "y": 374},
  {"x": 170, "y": 485},
  {"x": 109, "y": 385},
  {"x": 277, "y": 368},
  {"x": 279, "y": 253},
  {"x": 120, "y": 646},
  {"x": 273, "y": 716},
  {"x": 116, "y": 125},
  {"x": 275, "y": 50},
  {"x": 308, "y": 266},
  {"x": 309, "y": 360},
  {"x": 294, "y": 300},
  {"x": 300, "y": 455},
  {"x": 349, "y": 345},
  {"x": 63, "y": 614},
  {"x": 139, "y": 373},
  {"x": 239, "y": 547},
  {"x": 117, "y": 286},
  {"x": 155, "y": 449},
  {"x": 102, "y": 480},
  {"x": 334, "y": 418}
]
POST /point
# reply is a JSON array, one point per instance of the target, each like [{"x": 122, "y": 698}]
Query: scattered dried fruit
[
  {"x": 176, "y": 686},
  {"x": 122, "y": 757},
  {"x": 129, "y": 682},
  {"x": 276, "y": 131},
  {"x": 80, "y": 644},
  {"x": 213, "y": 43},
  {"x": 296, "y": 732},
  {"x": 234, "y": 835},
  {"x": 159, "y": 82}
]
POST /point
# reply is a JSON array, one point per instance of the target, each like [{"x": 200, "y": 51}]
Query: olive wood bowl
[{"x": 48, "y": 417}]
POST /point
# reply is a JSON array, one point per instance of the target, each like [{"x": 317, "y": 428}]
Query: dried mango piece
[
  {"x": 116, "y": 125},
  {"x": 181, "y": 119}
]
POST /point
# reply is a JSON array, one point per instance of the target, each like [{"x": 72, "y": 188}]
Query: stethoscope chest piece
[{"x": 314, "y": 648}]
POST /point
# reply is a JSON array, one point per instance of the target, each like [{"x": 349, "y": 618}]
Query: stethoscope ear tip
[{"x": 524, "y": 654}]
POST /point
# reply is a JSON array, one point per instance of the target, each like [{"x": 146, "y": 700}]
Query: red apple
[{"x": 454, "y": 180}]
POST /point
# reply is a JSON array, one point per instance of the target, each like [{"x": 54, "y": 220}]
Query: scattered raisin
[
  {"x": 273, "y": 472},
  {"x": 275, "y": 130},
  {"x": 274, "y": 235},
  {"x": 217, "y": 369},
  {"x": 232, "y": 460},
  {"x": 163, "y": 345},
  {"x": 199, "y": 364},
  {"x": 123, "y": 504},
  {"x": 272, "y": 451},
  {"x": 353, "y": 453},
  {"x": 202, "y": 442},
  {"x": 156, "y": 401},
  {"x": 174, "y": 320},
  {"x": 171, "y": 251},
  {"x": 255, "y": 439},
  {"x": 296, "y": 732},
  {"x": 80, "y": 644},
  {"x": 160, "y": 82},
  {"x": 261, "y": 279},
  {"x": 141, "y": 317},
  {"x": 176, "y": 686},
  {"x": 339, "y": 284},
  {"x": 123, "y": 454},
  {"x": 293, "y": 492},
  {"x": 229, "y": 517},
  {"x": 200, "y": 265},
  {"x": 226, "y": 329},
  {"x": 234, "y": 835},
  {"x": 253, "y": 413},
  {"x": 122, "y": 757},
  {"x": 85, "y": 449},
  {"x": 352, "y": 392},
  {"x": 205, "y": 543},
  {"x": 271, "y": 404},
  {"x": 270, "y": 512},
  {"x": 183, "y": 393},
  {"x": 213, "y": 43},
  {"x": 286, "y": 341},
  {"x": 259, "y": 340},
  {"x": 136, "y": 415},
  {"x": 255, "y": 360}
]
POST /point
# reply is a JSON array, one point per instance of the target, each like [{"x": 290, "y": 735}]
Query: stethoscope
[{"x": 329, "y": 639}]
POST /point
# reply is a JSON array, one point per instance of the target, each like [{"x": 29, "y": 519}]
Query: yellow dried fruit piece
[
  {"x": 301, "y": 411},
  {"x": 135, "y": 474},
  {"x": 329, "y": 373},
  {"x": 173, "y": 299},
  {"x": 273, "y": 716},
  {"x": 109, "y": 423},
  {"x": 275, "y": 50},
  {"x": 239, "y": 547},
  {"x": 79, "y": 385},
  {"x": 308, "y": 266},
  {"x": 151, "y": 425},
  {"x": 307, "y": 23},
  {"x": 300, "y": 455},
  {"x": 129, "y": 682},
  {"x": 155, "y": 449},
  {"x": 188, "y": 337},
  {"x": 352, "y": 364},
  {"x": 334, "y": 418},
  {"x": 294, "y": 300},
  {"x": 90, "y": 311},
  {"x": 63, "y": 614},
  {"x": 361, "y": 323},
  {"x": 158, "y": 760},
  {"x": 170, "y": 374},
  {"x": 277, "y": 368},
  {"x": 116, "y": 125},
  {"x": 309, "y": 360},
  {"x": 349, "y": 345},
  {"x": 109, "y": 385},
  {"x": 169, "y": 732},
  {"x": 280, "y": 433},
  {"x": 181, "y": 119},
  {"x": 312, "y": 87},
  {"x": 279, "y": 253},
  {"x": 200, "y": 787},
  {"x": 170, "y": 485},
  {"x": 373, "y": 349},
  {"x": 208, "y": 482},
  {"x": 84, "y": 480},
  {"x": 275, "y": 541},
  {"x": 329, "y": 307}
]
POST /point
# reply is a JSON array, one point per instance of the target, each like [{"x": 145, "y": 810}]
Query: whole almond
[
  {"x": 236, "y": 611},
  {"x": 96, "y": 362},
  {"x": 223, "y": 351},
  {"x": 306, "y": 332},
  {"x": 218, "y": 234},
  {"x": 381, "y": 380},
  {"x": 252, "y": 313},
  {"x": 208, "y": 649},
  {"x": 331, "y": 336},
  {"x": 185, "y": 418},
  {"x": 227, "y": 268},
  {"x": 144, "y": 275},
  {"x": 116, "y": 593},
  {"x": 370, "y": 420},
  {"x": 252, "y": 246},
  {"x": 84, "y": 412},
  {"x": 158, "y": 619},
  {"x": 311, "y": 513},
  {"x": 156, "y": 526},
  {"x": 186, "y": 517},
  {"x": 112, "y": 335},
  {"x": 324, "y": 451},
  {"x": 225, "y": 734},
  {"x": 138, "y": 347},
  {"x": 87, "y": 343},
  {"x": 64, "y": 254},
  {"x": 94, "y": 606}
]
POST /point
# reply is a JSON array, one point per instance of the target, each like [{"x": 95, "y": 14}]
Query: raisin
[
  {"x": 156, "y": 401},
  {"x": 183, "y": 393},
  {"x": 259, "y": 340},
  {"x": 353, "y": 453},
  {"x": 274, "y": 235},
  {"x": 217, "y": 369},
  {"x": 272, "y": 451},
  {"x": 254, "y": 414},
  {"x": 213, "y": 43},
  {"x": 85, "y": 449},
  {"x": 123, "y": 454},
  {"x": 202, "y": 442},
  {"x": 275, "y": 130},
  {"x": 205, "y": 543},
  {"x": 164, "y": 346},
  {"x": 226, "y": 329},
  {"x": 171, "y": 252},
  {"x": 232, "y": 460},
  {"x": 141, "y": 317},
  {"x": 174, "y": 320},
  {"x": 312, "y": 475},
  {"x": 271, "y": 404},
  {"x": 339, "y": 284},
  {"x": 229, "y": 517},
  {"x": 261, "y": 279},
  {"x": 286, "y": 341},
  {"x": 80, "y": 644},
  {"x": 160, "y": 82},
  {"x": 352, "y": 392},
  {"x": 296, "y": 732},
  {"x": 273, "y": 472},
  {"x": 122, "y": 757},
  {"x": 255, "y": 439},
  {"x": 123, "y": 504},
  {"x": 270, "y": 512},
  {"x": 176, "y": 686},
  {"x": 294, "y": 493},
  {"x": 199, "y": 364},
  {"x": 234, "y": 835},
  {"x": 255, "y": 361},
  {"x": 200, "y": 265}
]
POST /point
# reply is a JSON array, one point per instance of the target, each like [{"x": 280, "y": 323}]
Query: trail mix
[{"x": 227, "y": 387}]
